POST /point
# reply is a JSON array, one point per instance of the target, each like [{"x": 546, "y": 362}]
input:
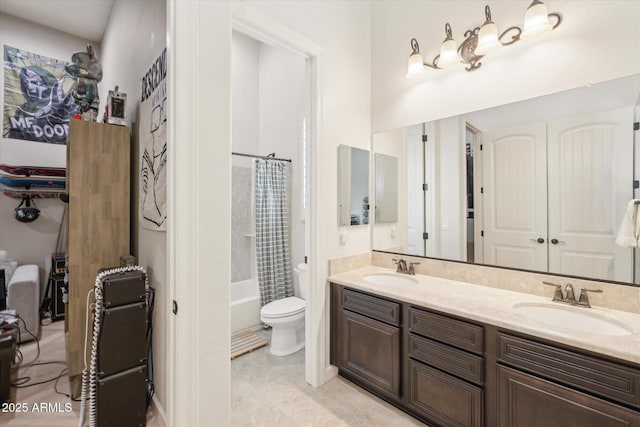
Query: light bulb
[
  {"x": 448, "y": 50},
  {"x": 415, "y": 65},
  {"x": 536, "y": 20},
  {"x": 487, "y": 39}
]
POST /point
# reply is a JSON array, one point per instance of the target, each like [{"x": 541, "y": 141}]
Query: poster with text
[
  {"x": 38, "y": 103},
  {"x": 153, "y": 145}
]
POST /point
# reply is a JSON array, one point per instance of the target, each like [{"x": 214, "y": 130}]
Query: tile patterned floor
[{"x": 271, "y": 391}]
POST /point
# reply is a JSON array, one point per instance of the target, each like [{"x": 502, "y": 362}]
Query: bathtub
[{"x": 245, "y": 305}]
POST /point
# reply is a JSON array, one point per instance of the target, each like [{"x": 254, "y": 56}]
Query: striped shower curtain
[{"x": 272, "y": 231}]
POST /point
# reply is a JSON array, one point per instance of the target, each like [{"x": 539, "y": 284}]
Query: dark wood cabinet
[
  {"x": 366, "y": 341},
  {"x": 446, "y": 375},
  {"x": 443, "y": 399},
  {"x": 546, "y": 385},
  {"x": 527, "y": 401},
  {"x": 371, "y": 352},
  {"x": 448, "y": 371}
]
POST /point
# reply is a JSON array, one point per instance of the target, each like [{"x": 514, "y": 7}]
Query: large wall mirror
[
  {"x": 540, "y": 185},
  {"x": 353, "y": 186}
]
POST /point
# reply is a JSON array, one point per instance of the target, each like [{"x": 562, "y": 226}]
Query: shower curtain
[{"x": 272, "y": 231}]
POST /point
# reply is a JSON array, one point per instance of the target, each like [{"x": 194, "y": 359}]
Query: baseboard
[
  {"x": 330, "y": 372},
  {"x": 157, "y": 413}
]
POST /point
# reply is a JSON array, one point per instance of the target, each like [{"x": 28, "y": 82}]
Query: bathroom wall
[
  {"x": 245, "y": 139},
  {"x": 33, "y": 243},
  {"x": 281, "y": 97},
  {"x": 596, "y": 41}
]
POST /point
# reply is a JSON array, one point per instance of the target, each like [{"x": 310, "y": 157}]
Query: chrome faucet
[
  {"x": 412, "y": 271},
  {"x": 402, "y": 266},
  {"x": 569, "y": 296}
]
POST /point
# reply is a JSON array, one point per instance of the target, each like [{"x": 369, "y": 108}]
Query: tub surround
[{"x": 492, "y": 305}]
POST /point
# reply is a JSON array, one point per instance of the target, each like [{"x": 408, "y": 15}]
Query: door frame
[{"x": 262, "y": 28}]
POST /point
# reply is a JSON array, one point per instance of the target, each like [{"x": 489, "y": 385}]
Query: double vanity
[{"x": 452, "y": 353}]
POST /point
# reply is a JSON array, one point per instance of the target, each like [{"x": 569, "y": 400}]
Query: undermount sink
[
  {"x": 573, "y": 318},
  {"x": 390, "y": 279}
]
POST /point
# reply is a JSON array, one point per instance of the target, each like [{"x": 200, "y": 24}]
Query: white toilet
[{"x": 286, "y": 318}]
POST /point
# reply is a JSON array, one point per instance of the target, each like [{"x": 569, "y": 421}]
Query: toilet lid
[{"x": 283, "y": 307}]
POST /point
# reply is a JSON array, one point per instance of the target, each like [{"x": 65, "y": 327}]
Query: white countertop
[{"x": 496, "y": 307}]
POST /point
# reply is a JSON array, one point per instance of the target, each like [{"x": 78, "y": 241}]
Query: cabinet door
[
  {"x": 444, "y": 399},
  {"x": 371, "y": 353},
  {"x": 527, "y": 401}
]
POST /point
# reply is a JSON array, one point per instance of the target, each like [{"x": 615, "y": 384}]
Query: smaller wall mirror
[
  {"x": 386, "y": 182},
  {"x": 353, "y": 186}
]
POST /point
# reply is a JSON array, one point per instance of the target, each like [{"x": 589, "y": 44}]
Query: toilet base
[{"x": 286, "y": 340}]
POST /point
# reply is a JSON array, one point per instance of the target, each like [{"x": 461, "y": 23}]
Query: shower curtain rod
[{"x": 271, "y": 156}]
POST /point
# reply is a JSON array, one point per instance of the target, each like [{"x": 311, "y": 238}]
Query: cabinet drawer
[
  {"x": 590, "y": 374},
  {"x": 456, "y": 362},
  {"x": 527, "y": 401},
  {"x": 444, "y": 399},
  {"x": 374, "y": 307},
  {"x": 457, "y": 333}
]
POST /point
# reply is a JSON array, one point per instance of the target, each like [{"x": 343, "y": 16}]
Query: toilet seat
[{"x": 283, "y": 307}]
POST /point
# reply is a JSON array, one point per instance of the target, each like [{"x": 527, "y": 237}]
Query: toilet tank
[{"x": 301, "y": 271}]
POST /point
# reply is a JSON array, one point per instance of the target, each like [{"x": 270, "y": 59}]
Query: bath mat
[{"x": 245, "y": 341}]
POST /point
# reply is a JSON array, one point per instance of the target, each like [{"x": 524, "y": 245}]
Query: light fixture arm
[
  {"x": 558, "y": 19},
  {"x": 447, "y": 31},
  {"x": 487, "y": 13},
  {"x": 514, "y": 38}
]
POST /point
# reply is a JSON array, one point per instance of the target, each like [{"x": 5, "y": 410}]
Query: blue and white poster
[{"x": 38, "y": 103}]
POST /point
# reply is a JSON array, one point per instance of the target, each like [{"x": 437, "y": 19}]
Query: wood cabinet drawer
[
  {"x": 444, "y": 399},
  {"x": 527, "y": 401},
  {"x": 456, "y": 362},
  {"x": 370, "y": 306},
  {"x": 457, "y": 333},
  {"x": 590, "y": 374}
]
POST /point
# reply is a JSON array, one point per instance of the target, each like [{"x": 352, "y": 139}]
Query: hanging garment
[{"x": 629, "y": 231}]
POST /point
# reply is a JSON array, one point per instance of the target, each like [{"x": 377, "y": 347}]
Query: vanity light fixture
[{"x": 482, "y": 40}]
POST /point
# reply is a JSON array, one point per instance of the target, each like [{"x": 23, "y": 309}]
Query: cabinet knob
[
  {"x": 558, "y": 242},
  {"x": 538, "y": 240}
]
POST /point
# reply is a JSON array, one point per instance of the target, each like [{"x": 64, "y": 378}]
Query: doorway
[
  {"x": 268, "y": 124},
  {"x": 264, "y": 31}
]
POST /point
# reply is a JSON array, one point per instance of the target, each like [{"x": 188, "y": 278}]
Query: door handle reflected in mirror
[
  {"x": 558, "y": 242},
  {"x": 538, "y": 240}
]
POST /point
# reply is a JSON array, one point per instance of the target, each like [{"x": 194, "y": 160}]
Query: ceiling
[{"x": 83, "y": 18}]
